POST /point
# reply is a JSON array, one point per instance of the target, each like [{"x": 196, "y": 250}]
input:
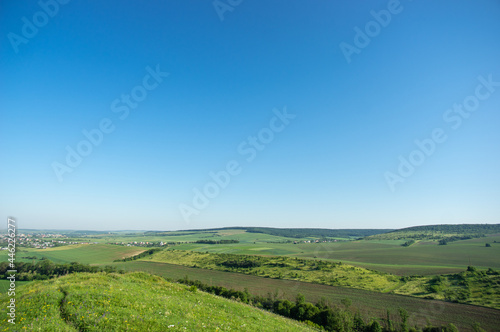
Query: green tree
[
  {"x": 471, "y": 269},
  {"x": 322, "y": 303},
  {"x": 374, "y": 327},
  {"x": 358, "y": 323},
  {"x": 300, "y": 299},
  {"x": 404, "y": 319},
  {"x": 284, "y": 308}
]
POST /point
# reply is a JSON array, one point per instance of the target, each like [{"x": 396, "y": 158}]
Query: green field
[
  {"x": 93, "y": 254},
  {"x": 185, "y": 236},
  {"x": 422, "y": 258},
  {"x": 370, "y": 304},
  {"x": 5, "y": 285},
  {"x": 135, "y": 302}
]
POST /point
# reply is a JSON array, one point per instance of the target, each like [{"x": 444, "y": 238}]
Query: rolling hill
[{"x": 136, "y": 302}]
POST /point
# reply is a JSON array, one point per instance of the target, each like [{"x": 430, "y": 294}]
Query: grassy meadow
[
  {"x": 93, "y": 254},
  {"x": 132, "y": 302}
]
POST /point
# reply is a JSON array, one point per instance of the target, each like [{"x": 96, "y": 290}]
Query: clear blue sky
[{"x": 358, "y": 105}]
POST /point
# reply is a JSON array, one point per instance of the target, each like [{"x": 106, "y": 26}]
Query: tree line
[{"x": 455, "y": 229}]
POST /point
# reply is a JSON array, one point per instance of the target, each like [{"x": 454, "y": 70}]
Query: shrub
[{"x": 471, "y": 269}]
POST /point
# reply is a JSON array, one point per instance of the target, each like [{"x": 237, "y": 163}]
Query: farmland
[
  {"x": 95, "y": 254},
  {"x": 422, "y": 258},
  {"x": 466, "y": 287},
  {"x": 374, "y": 272},
  {"x": 370, "y": 304}
]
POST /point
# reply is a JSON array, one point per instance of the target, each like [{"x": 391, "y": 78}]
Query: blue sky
[{"x": 344, "y": 157}]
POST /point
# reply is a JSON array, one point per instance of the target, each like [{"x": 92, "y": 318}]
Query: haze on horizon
[{"x": 182, "y": 115}]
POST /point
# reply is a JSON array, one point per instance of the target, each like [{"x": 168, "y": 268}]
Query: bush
[
  {"x": 374, "y": 327},
  {"x": 471, "y": 269},
  {"x": 434, "y": 288}
]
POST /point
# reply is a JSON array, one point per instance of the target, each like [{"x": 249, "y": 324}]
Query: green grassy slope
[
  {"x": 131, "y": 302},
  {"x": 321, "y": 272}
]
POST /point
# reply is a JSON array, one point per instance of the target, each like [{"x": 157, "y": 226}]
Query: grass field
[
  {"x": 5, "y": 285},
  {"x": 370, "y": 304},
  {"x": 132, "y": 302},
  {"x": 93, "y": 254}
]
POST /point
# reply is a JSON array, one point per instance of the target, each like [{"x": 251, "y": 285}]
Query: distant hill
[
  {"x": 436, "y": 232},
  {"x": 455, "y": 228},
  {"x": 136, "y": 301},
  {"x": 297, "y": 233}
]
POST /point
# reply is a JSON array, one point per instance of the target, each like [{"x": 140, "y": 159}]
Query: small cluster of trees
[
  {"x": 444, "y": 241},
  {"x": 408, "y": 243},
  {"x": 242, "y": 263}
]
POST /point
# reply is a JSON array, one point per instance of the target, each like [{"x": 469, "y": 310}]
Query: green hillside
[
  {"x": 298, "y": 233},
  {"x": 436, "y": 232},
  {"x": 135, "y": 302}
]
